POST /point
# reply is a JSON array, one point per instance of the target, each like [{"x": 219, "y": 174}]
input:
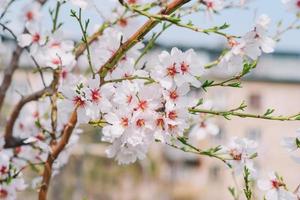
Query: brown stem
[
  {"x": 138, "y": 36},
  {"x": 56, "y": 150},
  {"x": 53, "y": 100},
  {"x": 8, "y": 134},
  {"x": 8, "y": 74},
  {"x": 10, "y": 141}
]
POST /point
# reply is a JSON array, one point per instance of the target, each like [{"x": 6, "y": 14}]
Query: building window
[
  {"x": 214, "y": 172},
  {"x": 253, "y": 134},
  {"x": 255, "y": 101},
  {"x": 221, "y": 135}
]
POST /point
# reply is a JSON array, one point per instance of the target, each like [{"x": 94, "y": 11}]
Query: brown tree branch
[
  {"x": 8, "y": 73},
  {"x": 10, "y": 140},
  {"x": 56, "y": 150}
]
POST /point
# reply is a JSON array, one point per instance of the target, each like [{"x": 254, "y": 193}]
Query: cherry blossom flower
[
  {"x": 125, "y": 70},
  {"x": 201, "y": 129},
  {"x": 275, "y": 188},
  {"x": 177, "y": 95},
  {"x": 4, "y": 165},
  {"x": 214, "y": 5},
  {"x": 251, "y": 45},
  {"x": 257, "y": 40},
  {"x": 241, "y": 152},
  {"x": 176, "y": 119},
  {"x": 126, "y": 94},
  {"x": 107, "y": 45},
  {"x": 292, "y": 144},
  {"x": 58, "y": 52},
  {"x": 31, "y": 13},
  {"x": 233, "y": 60},
  {"x": 9, "y": 191},
  {"x": 75, "y": 97},
  {"x": 118, "y": 122},
  {"x": 178, "y": 67},
  {"x": 125, "y": 24},
  {"x": 34, "y": 38},
  {"x": 97, "y": 98},
  {"x": 126, "y": 153}
]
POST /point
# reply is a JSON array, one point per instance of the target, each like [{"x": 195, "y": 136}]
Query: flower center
[
  {"x": 140, "y": 122},
  {"x": 36, "y": 114},
  {"x": 78, "y": 101},
  {"x": 236, "y": 155},
  {"x": 129, "y": 99},
  {"x": 298, "y": 3},
  {"x": 40, "y": 137},
  {"x": 18, "y": 150},
  {"x": 21, "y": 126},
  {"x": 36, "y": 37},
  {"x": 3, "y": 170},
  {"x": 172, "y": 127},
  {"x": 232, "y": 42},
  {"x": 55, "y": 45},
  {"x": 132, "y": 1},
  {"x": 184, "y": 67},
  {"x": 56, "y": 61},
  {"x": 276, "y": 184},
  {"x": 95, "y": 94},
  {"x": 123, "y": 22},
  {"x": 64, "y": 74},
  {"x": 210, "y": 5},
  {"x": 203, "y": 124},
  {"x": 172, "y": 115},
  {"x": 143, "y": 105},
  {"x": 124, "y": 121},
  {"x": 29, "y": 15},
  {"x": 3, "y": 194},
  {"x": 173, "y": 95},
  {"x": 160, "y": 122},
  {"x": 171, "y": 71}
]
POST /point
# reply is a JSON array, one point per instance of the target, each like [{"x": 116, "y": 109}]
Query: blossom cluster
[
  {"x": 135, "y": 104},
  {"x": 250, "y": 46}
]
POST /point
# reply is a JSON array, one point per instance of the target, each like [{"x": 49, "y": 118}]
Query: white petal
[
  {"x": 25, "y": 40},
  {"x": 264, "y": 184},
  {"x": 268, "y": 45}
]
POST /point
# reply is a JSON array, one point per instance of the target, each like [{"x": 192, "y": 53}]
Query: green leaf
[
  {"x": 298, "y": 142},
  {"x": 207, "y": 83},
  {"x": 236, "y": 85},
  {"x": 200, "y": 102},
  {"x": 232, "y": 191},
  {"x": 224, "y": 26},
  {"x": 269, "y": 111}
]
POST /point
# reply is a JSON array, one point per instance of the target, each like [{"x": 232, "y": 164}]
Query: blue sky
[{"x": 240, "y": 20}]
